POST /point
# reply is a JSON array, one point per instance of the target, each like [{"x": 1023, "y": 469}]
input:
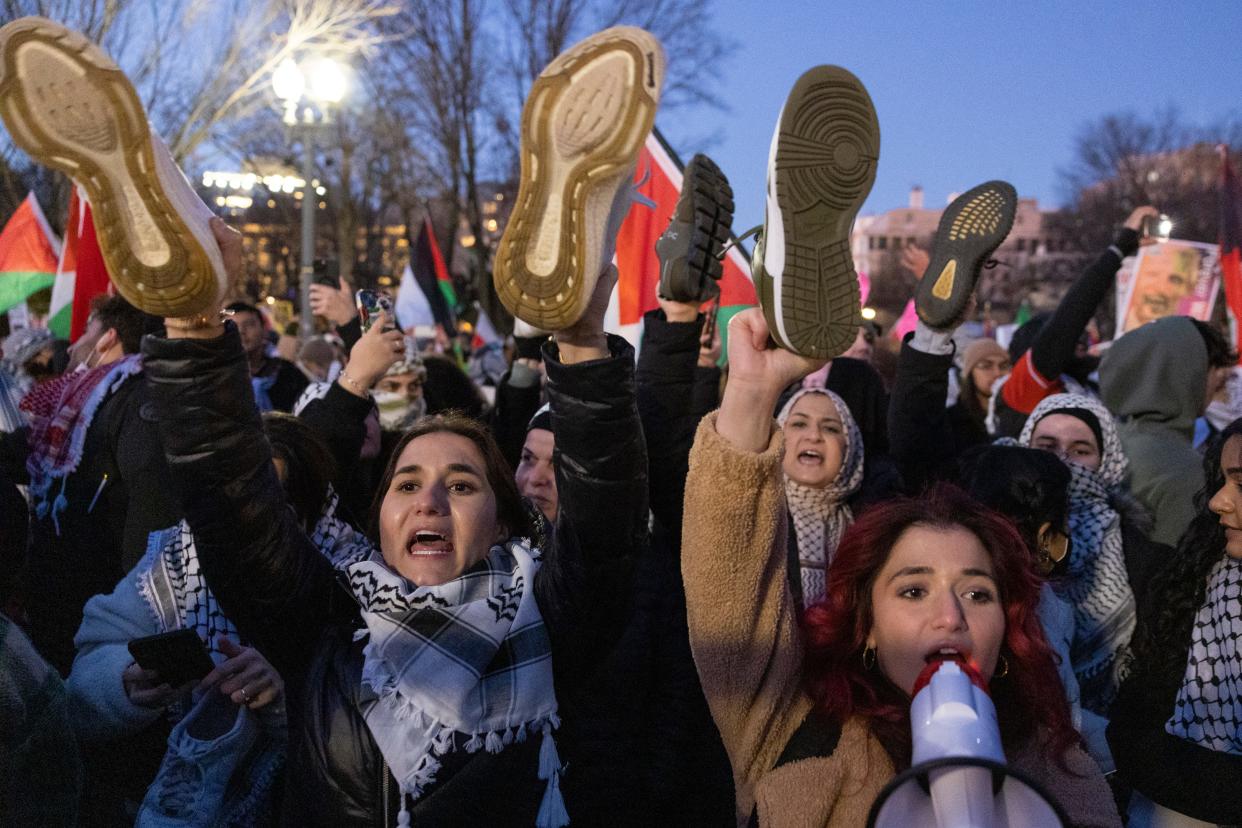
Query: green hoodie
[{"x": 1153, "y": 380}]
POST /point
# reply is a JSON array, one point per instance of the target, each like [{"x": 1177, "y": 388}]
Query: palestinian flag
[
  {"x": 1231, "y": 240},
  {"x": 81, "y": 275},
  {"x": 432, "y": 276},
  {"x": 637, "y": 263},
  {"x": 29, "y": 251}
]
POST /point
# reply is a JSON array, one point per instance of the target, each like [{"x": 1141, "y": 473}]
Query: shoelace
[{"x": 734, "y": 242}]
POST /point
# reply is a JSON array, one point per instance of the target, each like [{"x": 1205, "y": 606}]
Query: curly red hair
[{"x": 1030, "y": 695}]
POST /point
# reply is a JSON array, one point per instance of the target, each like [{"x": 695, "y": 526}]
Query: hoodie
[{"x": 1153, "y": 380}]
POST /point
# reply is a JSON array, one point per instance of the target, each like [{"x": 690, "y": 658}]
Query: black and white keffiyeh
[
  {"x": 1096, "y": 583},
  {"x": 821, "y": 515},
  {"x": 465, "y": 665},
  {"x": 1209, "y": 704}
]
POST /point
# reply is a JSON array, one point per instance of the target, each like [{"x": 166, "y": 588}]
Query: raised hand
[
  {"x": 757, "y": 375},
  {"x": 336, "y": 304},
  {"x": 372, "y": 356},
  {"x": 585, "y": 340},
  {"x": 915, "y": 260}
]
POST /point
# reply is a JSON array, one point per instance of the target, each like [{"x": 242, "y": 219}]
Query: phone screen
[{"x": 370, "y": 304}]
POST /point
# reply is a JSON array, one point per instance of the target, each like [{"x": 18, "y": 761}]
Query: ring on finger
[{"x": 245, "y": 696}]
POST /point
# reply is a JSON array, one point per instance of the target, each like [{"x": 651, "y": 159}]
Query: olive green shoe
[{"x": 821, "y": 166}]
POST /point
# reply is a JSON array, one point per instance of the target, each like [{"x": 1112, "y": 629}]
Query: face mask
[{"x": 396, "y": 412}]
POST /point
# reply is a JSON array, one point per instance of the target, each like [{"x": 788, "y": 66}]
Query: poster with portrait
[{"x": 1174, "y": 278}]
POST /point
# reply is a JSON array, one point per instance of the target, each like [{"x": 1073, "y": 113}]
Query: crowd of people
[{"x": 677, "y": 584}]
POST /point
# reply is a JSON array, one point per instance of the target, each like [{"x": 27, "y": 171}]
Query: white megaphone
[{"x": 958, "y": 777}]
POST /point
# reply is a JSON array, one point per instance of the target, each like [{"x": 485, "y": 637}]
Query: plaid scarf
[
  {"x": 1209, "y": 704},
  {"x": 61, "y": 411},
  {"x": 821, "y": 515},
  {"x": 1096, "y": 583},
  {"x": 468, "y": 658}
]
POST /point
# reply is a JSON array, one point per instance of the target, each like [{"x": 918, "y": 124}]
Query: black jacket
[
  {"x": 120, "y": 492},
  {"x": 286, "y": 598}
]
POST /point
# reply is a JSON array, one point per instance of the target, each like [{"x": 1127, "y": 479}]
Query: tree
[{"x": 1123, "y": 161}]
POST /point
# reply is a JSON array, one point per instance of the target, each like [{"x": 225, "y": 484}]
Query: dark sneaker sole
[
  {"x": 971, "y": 228},
  {"x": 690, "y": 248},
  {"x": 71, "y": 108},
  {"x": 583, "y": 126},
  {"x": 821, "y": 167}
]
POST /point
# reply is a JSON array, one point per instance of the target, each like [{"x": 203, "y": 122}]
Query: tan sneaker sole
[
  {"x": 583, "y": 126},
  {"x": 71, "y": 108}
]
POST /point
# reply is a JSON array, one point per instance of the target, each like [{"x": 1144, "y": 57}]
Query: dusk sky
[{"x": 967, "y": 91}]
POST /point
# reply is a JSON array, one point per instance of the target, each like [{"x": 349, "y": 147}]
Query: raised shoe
[
  {"x": 821, "y": 165},
  {"x": 689, "y": 250},
  {"x": 971, "y": 228},
  {"x": 71, "y": 108},
  {"x": 583, "y": 126}
]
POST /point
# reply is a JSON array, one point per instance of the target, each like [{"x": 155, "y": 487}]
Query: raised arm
[
  {"x": 268, "y": 577},
  {"x": 673, "y": 395},
  {"x": 601, "y": 479},
  {"x": 742, "y": 615}
]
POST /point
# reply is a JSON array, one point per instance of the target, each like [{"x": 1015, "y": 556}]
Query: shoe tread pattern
[
  {"x": 94, "y": 130},
  {"x": 826, "y": 158},
  {"x": 690, "y": 272},
  {"x": 590, "y": 122},
  {"x": 972, "y": 227}
]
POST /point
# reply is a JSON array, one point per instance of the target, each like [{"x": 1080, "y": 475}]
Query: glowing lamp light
[
  {"x": 868, "y": 314},
  {"x": 288, "y": 81},
  {"x": 326, "y": 79}
]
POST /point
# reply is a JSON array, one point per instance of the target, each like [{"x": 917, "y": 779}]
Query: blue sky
[{"x": 967, "y": 91}]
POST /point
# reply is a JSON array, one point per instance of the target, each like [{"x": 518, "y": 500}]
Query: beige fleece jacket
[{"x": 748, "y": 650}]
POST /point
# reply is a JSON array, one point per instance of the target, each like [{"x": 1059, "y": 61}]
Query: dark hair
[
  {"x": 1028, "y": 486},
  {"x": 509, "y": 509},
  {"x": 448, "y": 389},
  {"x": 246, "y": 307},
  {"x": 309, "y": 466},
  {"x": 1029, "y": 697},
  {"x": 129, "y": 323},
  {"x": 1219, "y": 354},
  {"x": 1156, "y": 658}
]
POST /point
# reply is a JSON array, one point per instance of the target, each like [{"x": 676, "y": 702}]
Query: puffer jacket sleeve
[
  {"x": 601, "y": 524},
  {"x": 667, "y": 396},
  {"x": 743, "y": 620},
  {"x": 269, "y": 579}
]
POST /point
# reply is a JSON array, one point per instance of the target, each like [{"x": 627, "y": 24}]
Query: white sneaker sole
[
  {"x": 71, "y": 108},
  {"x": 583, "y": 126}
]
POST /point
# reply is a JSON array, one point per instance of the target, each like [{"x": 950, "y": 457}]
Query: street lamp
[{"x": 321, "y": 82}]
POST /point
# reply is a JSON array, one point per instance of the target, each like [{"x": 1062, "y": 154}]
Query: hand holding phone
[
  {"x": 177, "y": 658},
  {"x": 1157, "y": 227},
  {"x": 370, "y": 304}
]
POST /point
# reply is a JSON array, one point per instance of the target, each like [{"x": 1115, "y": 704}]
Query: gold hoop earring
[
  {"x": 1004, "y": 668},
  {"x": 868, "y": 657}
]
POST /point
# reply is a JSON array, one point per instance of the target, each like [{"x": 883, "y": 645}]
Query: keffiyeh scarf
[
  {"x": 821, "y": 515},
  {"x": 1208, "y": 711},
  {"x": 466, "y": 665},
  {"x": 61, "y": 411},
  {"x": 1096, "y": 583}
]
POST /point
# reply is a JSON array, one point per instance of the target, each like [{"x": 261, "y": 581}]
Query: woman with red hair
[{"x": 912, "y": 581}]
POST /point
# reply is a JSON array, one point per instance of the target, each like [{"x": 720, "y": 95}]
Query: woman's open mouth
[{"x": 429, "y": 544}]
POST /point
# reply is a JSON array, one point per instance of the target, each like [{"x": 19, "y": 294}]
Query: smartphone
[
  {"x": 1157, "y": 227},
  {"x": 370, "y": 304},
  {"x": 327, "y": 272},
  {"x": 179, "y": 656}
]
